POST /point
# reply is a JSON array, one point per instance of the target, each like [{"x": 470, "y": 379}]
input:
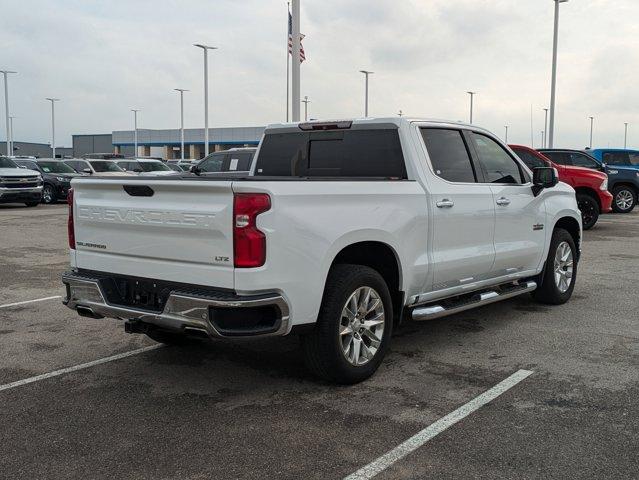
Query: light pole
[
  {"x": 306, "y": 101},
  {"x": 206, "y": 48},
  {"x": 53, "y": 100},
  {"x": 591, "y": 122},
  {"x": 11, "y": 117},
  {"x": 135, "y": 131},
  {"x": 366, "y": 74},
  {"x": 472, "y": 94},
  {"x": 625, "y": 134},
  {"x": 506, "y": 134},
  {"x": 6, "y": 104},
  {"x": 545, "y": 127},
  {"x": 181, "y": 90},
  {"x": 553, "y": 80}
]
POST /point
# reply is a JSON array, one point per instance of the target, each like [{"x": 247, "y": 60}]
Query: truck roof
[{"x": 363, "y": 123}]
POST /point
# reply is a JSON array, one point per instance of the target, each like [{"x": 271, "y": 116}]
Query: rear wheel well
[
  {"x": 590, "y": 192},
  {"x": 380, "y": 257},
  {"x": 625, "y": 184},
  {"x": 571, "y": 226}
]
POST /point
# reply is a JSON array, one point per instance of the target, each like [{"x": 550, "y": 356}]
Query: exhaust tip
[{"x": 87, "y": 312}]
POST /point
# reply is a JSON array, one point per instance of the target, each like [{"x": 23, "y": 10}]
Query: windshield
[
  {"x": 55, "y": 167},
  {"x": 105, "y": 166},
  {"x": 7, "y": 163},
  {"x": 154, "y": 166}
]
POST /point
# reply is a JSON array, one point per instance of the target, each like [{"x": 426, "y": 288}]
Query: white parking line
[
  {"x": 75, "y": 368},
  {"x": 30, "y": 301},
  {"x": 419, "y": 439}
]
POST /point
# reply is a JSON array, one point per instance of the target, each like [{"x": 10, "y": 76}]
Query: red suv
[{"x": 591, "y": 186}]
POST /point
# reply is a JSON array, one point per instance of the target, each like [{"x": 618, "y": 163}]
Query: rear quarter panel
[{"x": 310, "y": 222}]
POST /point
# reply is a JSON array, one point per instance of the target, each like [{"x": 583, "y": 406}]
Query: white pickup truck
[{"x": 341, "y": 230}]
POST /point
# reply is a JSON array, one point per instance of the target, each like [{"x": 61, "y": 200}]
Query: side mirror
[
  {"x": 544, "y": 177},
  {"x": 87, "y": 170}
]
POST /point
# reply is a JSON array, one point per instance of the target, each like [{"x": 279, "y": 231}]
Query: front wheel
[
  {"x": 48, "y": 194},
  {"x": 557, "y": 281},
  {"x": 624, "y": 199},
  {"x": 589, "y": 210},
  {"x": 354, "y": 326}
]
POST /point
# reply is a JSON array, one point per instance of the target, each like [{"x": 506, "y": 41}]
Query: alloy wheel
[
  {"x": 624, "y": 199},
  {"x": 563, "y": 267},
  {"x": 361, "y": 326},
  {"x": 47, "y": 194}
]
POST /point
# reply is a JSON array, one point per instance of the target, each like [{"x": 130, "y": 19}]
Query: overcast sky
[{"x": 104, "y": 58}]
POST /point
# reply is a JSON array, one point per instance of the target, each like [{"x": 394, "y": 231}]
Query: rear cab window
[
  {"x": 372, "y": 153},
  {"x": 449, "y": 155},
  {"x": 616, "y": 158}
]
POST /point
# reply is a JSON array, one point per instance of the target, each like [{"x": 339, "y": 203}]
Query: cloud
[{"x": 104, "y": 58}]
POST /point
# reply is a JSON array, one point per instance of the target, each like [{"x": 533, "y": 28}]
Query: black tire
[
  {"x": 32, "y": 204},
  {"x": 48, "y": 194},
  {"x": 624, "y": 199},
  {"x": 547, "y": 290},
  {"x": 169, "y": 338},
  {"x": 322, "y": 347},
  {"x": 589, "y": 210}
]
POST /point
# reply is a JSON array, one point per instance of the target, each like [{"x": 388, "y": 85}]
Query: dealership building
[{"x": 166, "y": 143}]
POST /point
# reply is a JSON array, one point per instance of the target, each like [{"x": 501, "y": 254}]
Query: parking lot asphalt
[{"x": 249, "y": 409}]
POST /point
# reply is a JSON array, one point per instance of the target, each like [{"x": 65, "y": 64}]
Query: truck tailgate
[{"x": 174, "y": 230}]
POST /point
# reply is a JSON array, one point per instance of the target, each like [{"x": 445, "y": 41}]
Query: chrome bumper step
[{"x": 473, "y": 300}]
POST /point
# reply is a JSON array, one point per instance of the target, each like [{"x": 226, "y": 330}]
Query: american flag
[{"x": 290, "y": 39}]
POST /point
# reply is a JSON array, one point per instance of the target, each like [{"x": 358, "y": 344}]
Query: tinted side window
[
  {"x": 498, "y": 165},
  {"x": 529, "y": 159},
  {"x": 582, "y": 160},
  {"x": 559, "y": 158},
  {"x": 346, "y": 153},
  {"x": 240, "y": 161},
  {"x": 616, "y": 158},
  {"x": 448, "y": 155},
  {"x": 634, "y": 158},
  {"x": 213, "y": 163}
]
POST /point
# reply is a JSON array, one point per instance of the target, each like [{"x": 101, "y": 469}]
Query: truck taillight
[
  {"x": 249, "y": 243},
  {"x": 70, "y": 226}
]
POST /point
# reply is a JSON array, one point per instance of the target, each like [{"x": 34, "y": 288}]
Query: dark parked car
[
  {"x": 622, "y": 169},
  {"x": 233, "y": 160},
  {"x": 56, "y": 176},
  {"x": 102, "y": 156}
]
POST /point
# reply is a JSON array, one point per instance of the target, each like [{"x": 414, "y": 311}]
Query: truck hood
[
  {"x": 112, "y": 174},
  {"x": 18, "y": 172},
  {"x": 158, "y": 173},
  {"x": 584, "y": 171}
]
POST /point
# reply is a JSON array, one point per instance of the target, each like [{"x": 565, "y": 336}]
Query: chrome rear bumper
[{"x": 183, "y": 311}]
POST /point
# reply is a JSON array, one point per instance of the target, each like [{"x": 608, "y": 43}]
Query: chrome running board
[{"x": 437, "y": 310}]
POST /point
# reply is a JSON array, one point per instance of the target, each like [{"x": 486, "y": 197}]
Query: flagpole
[
  {"x": 295, "y": 65},
  {"x": 288, "y": 68}
]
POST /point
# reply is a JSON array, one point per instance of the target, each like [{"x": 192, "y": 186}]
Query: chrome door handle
[
  {"x": 503, "y": 201},
  {"x": 445, "y": 203}
]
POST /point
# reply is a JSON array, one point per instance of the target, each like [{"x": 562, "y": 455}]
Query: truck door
[
  {"x": 463, "y": 212},
  {"x": 519, "y": 215}
]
